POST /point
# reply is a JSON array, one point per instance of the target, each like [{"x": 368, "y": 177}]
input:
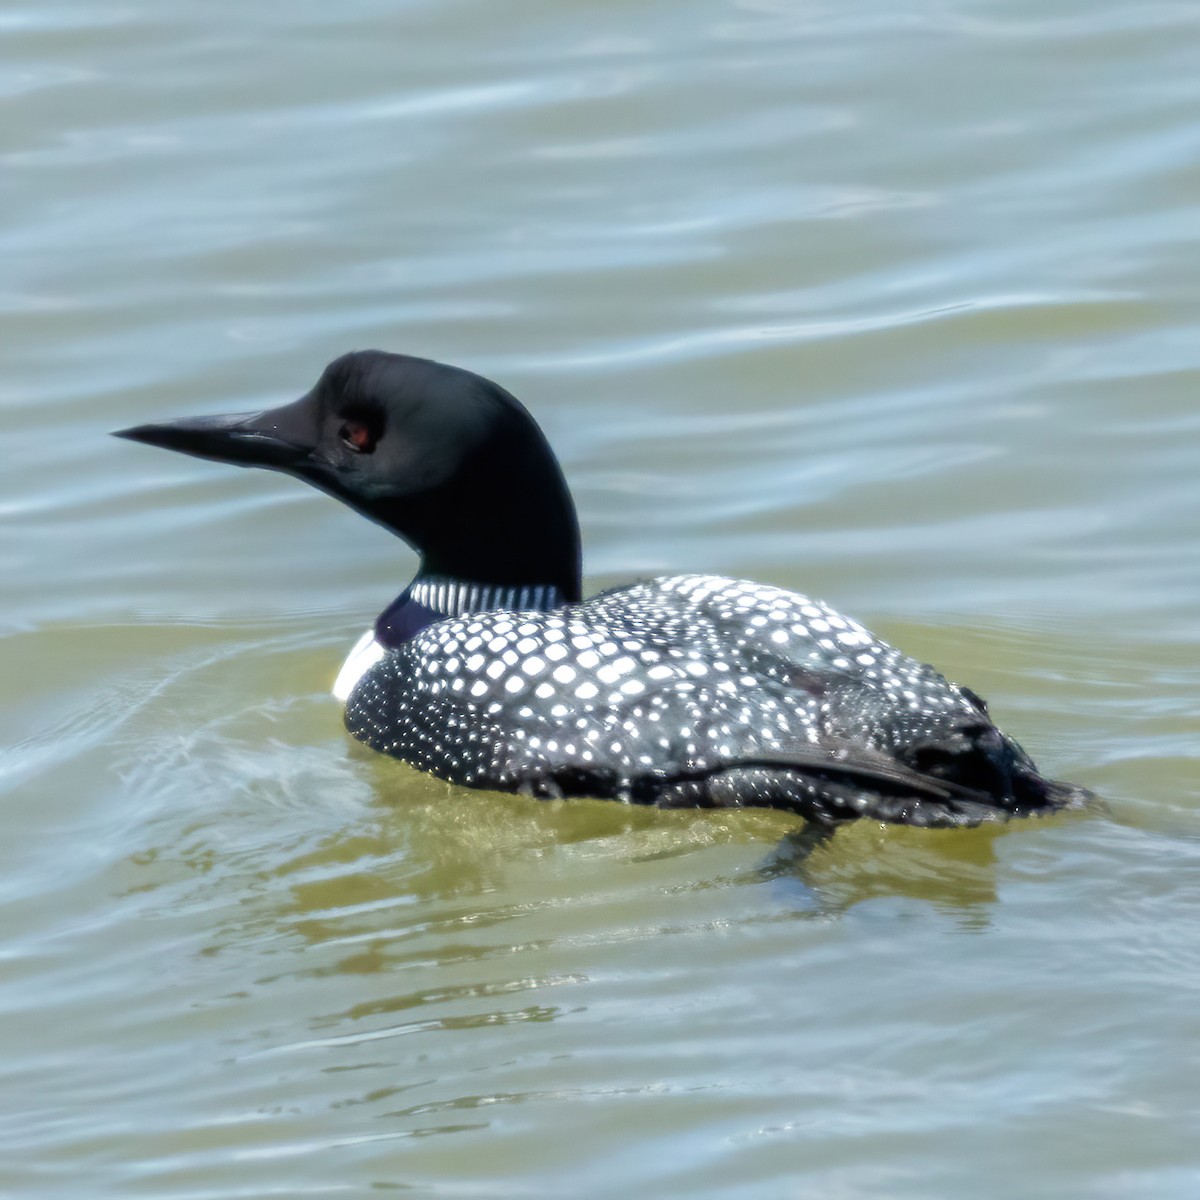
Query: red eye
[{"x": 359, "y": 437}]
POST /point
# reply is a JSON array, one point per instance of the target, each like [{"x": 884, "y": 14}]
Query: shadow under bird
[{"x": 490, "y": 671}]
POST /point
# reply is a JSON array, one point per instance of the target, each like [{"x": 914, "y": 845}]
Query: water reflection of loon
[{"x": 694, "y": 690}]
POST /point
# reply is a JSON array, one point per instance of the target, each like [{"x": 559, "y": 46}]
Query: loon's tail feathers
[
  {"x": 1054, "y": 795},
  {"x": 829, "y": 782},
  {"x": 978, "y": 756}
]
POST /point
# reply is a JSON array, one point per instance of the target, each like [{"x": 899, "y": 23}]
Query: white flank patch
[{"x": 366, "y": 653}]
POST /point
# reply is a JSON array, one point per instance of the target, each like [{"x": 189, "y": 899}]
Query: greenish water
[{"x": 896, "y": 307}]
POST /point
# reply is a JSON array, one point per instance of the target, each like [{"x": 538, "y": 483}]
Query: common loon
[{"x": 491, "y": 671}]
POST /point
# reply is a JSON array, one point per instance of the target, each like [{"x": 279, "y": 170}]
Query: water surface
[{"x": 896, "y": 307}]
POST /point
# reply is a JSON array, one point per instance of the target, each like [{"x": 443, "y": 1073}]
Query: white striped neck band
[{"x": 454, "y": 597}]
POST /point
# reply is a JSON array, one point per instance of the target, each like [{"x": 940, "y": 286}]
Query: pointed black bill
[{"x": 279, "y": 437}]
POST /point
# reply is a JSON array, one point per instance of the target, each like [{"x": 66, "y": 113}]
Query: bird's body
[{"x": 695, "y": 690}]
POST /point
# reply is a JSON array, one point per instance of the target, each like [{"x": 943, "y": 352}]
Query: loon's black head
[{"x": 446, "y": 459}]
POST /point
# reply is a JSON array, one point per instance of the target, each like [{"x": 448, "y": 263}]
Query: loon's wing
[{"x": 825, "y": 782}]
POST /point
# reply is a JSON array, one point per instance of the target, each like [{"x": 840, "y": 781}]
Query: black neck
[{"x": 504, "y": 519}]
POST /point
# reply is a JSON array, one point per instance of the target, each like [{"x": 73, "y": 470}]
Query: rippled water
[{"x": 897, "y": 306}]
